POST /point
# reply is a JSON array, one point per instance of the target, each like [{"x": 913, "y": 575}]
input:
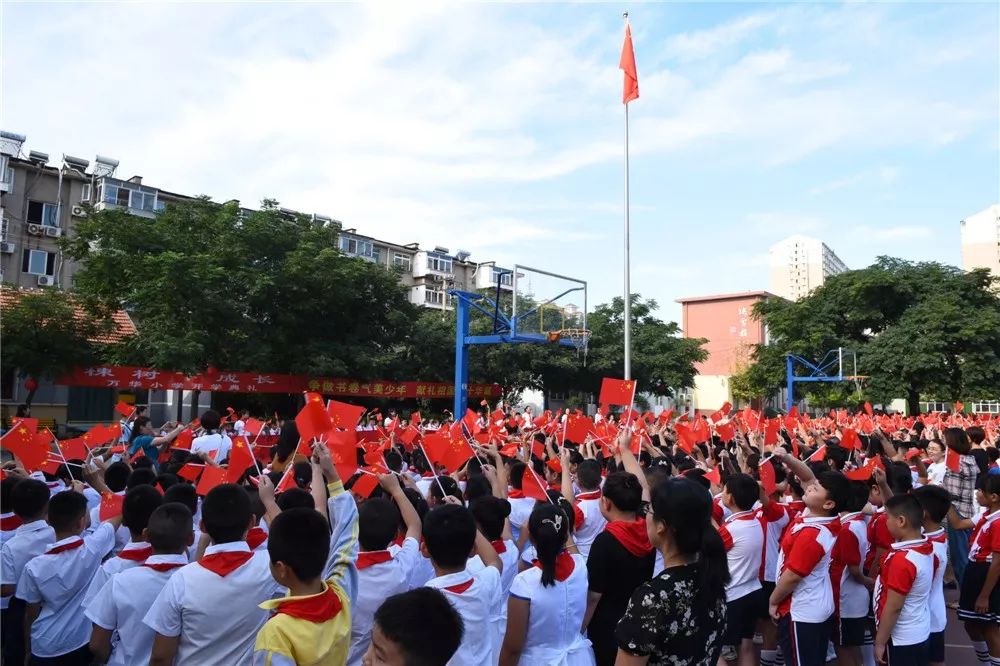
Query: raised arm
[
  {"x": 344, "y": 523},
  {"x": 390, "y": 484},
  {"x": 630, "y": 463}
]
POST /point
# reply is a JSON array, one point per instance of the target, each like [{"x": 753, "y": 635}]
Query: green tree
[
  {"x": 44, "y": 336},
  {"x": 920, "y": 330}
]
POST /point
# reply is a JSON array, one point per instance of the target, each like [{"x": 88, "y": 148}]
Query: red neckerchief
[
  {"x": 255, "y": 537},
  {"x": 223, "y": 564},
  {"x": 460, "y": 587},
  {"x": 163, "y": 566},
  {"x": 499, "y": 546},
  {"x": 564, "y": 565},
  {"x": 592, "y": 495},
  {"x": 515, "y": 494},
  {"x": 632, "y": 535},
  {"x": 10, "y": 522},
  {"x": 72, "y": 545},
  {"x": 316, "y": 608},
  {"x": 136, "y": 554},
  {"x": 372, "y": 557},
  {"x": 400, "y": 538}
]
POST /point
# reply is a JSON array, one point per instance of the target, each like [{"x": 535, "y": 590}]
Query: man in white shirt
[{"x": 118, "y": 607}]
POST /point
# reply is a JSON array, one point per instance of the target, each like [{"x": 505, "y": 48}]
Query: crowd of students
[{"x": 634, "y": 546}]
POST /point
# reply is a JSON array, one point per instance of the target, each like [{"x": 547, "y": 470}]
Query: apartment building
[
  {"x": 981, "y": 240},
  {"x": 799, "y": 264}
]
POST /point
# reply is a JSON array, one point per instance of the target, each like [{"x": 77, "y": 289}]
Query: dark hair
[
  {"x": 990, "y": 484},
  {"x": 838, "y": 489},
  {"x": 7, "y": 490},
  {"x": 288, "y": 441},
  {"x": 418, "y": 501},
  {"x": 957, "y": 440},
  {"x": 141, "y": 477},
  {"x": 449, "y": 533},
  {"x": 548, "y": 527},
  {"x": 65, "y": 509},
  {"x": 226, "y": 513},
  {"x": 696, "y": 475},
  {"x": 858, "y": 497},
  {"x": 899, "y": 477},
  {"x": 139, "y": 504},
  {"x": 116, "y": 476},
  {"x": 182, "y": 493},
  {"x": 167, "y": 480},
  {"x": 935, "y": 500},
  {"x": 838, "y": 455},
  {"x": 624, "y": 491},
  {"x": 976, "y": 434},
  {"x": 743, "y": 489},
  {"x": 908, "y": 507},
  {"x": 301, "y": 539},
  {"x": 378, "y": 521},
  {"x": 450, "y": 486},
  {"x": 169, "y": 528},
  {"x": 686, "y": 509},
  {"x": 210, "y": 420},
  {"x": 393, "y": 460},
  {"x": 137, "y": 425},
  {"x": 588, "y": 475},
  {"x": 29, "y": 499},
  {"x": 423, "y": 625},
  {"x": 517, "y": 475},
  {"x": 477, "y": 486},
  {"x": 302, "y": 471},
  {"x": 490, "y": 513},
  {"x": 295, "y": 498}
]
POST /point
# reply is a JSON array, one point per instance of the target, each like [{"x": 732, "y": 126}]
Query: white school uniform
[
  {"x": 132, "y": 555},
  {"x": 422, "y": 571},
  {"x": 58, "y": 580},
  {"x": 852, "y": 549},
  {"x": 520, "y": 511},
  {"x": 743, "y": 537},
  {"x": 909, "y": 570},
  {"x": 8, "y": 526},
  {"x": 476, "y": 597},
  {"x": 939, "y": 613},
  {"x": 240, "y": 427},
  {"x": 509, "y": 559},
  {"x": 376, "y": 582},
  {"x": 29, "y": 541},
  {"x": 122, "y": 535},
  {"x": 214, "y": 442},
  {"x": 123, "y": 601},
  {"x": 554, "y": 618},
  {"x": 775, "y": 518},
  {"x": 594, "y": 521}
]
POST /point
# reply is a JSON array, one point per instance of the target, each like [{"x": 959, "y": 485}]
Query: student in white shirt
[
  {"x": 743, "y": 538},
  {"x": 53, "y": 584},
  {"x": 382, "y": 570},
  {"x": 117, "y": 609},
  {"x": 137, "y": 507},
  {"x": 185, "y": 494},
  {"x": 520, "y": 506},
  {"x": 450, "y": 534},
  {"x": 240, "y": 426},
  {"x": 213, "y": 441},
  {"x": 30, "y": 502},
  {"x": 548, "y": 601},
  {"x": 588, "y": 501},
  {"x": 491, "y": 520}
]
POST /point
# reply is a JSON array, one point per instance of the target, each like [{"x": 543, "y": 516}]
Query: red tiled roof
[{"x": 121, "y": 324}]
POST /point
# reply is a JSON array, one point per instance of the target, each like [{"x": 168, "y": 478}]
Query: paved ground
[{"x": 958, "y": 650}]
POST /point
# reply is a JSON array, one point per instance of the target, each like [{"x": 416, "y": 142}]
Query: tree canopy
[{"x": 921, "y": 330}]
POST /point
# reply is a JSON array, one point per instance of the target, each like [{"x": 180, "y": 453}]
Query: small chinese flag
[
  {"x": 626, "y": 63},
  {"x": 287, "y": 481},
  {"x": 532, "y": 486},
  {"x": 407, "y": 436},
  {"x": 344, "y": 415},
  {"x": 862, "y": 473},
  {"x": 240, "y": 459},
  {"x": 767, "y": 478},
  {"x": 577, "y": 428},
  {"x": 253, "y": 426},
  {"x": 364, "y": 484},
  {"x": 699, "y": 429},
  {"x": 114, "y": 431},
  {"x": 415, "y": 419},
  {"x": 685, "y": 438},
  {"x": 850, "y": 439},
  {"x": 715, "y": 476},
  {"x": 818, "y": 455},
  {"x": 343, "y": 448},
  {"x": 471, "y": 422},
  {"x": 449, "y": 453},
  {"x": 212, "y": 477},
  {"x": 111, "y": 506},
  {"x": 771, "y": 427},
  {"x": 312, "y": 420},
  {"x": 125, "y": 409},
  {"x": 184, "y": 439},
  {"x": 28, "y": 422},
  {"x": 537, "y": 449},
  {"x": 953, "y": 461},
  {"x": 20, "y": 440},
  {"x": 726, "y": 431},
  {"x": 617, "y": 391},
  {"x": 868, "y": 409},
  {"x": 665, "y": 416}
]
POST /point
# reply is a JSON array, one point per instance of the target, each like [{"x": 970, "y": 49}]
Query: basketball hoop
[
  {"x": 578, "y": 337},
  {"x": 857, "y": 379}
]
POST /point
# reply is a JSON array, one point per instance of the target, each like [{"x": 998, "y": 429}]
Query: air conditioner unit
[
  {"x": 36, "y": 230},
  {"x": 79, "y": 211},
  {"x": 53, "y": 232},
  {"x": 7, "y": 248},
  {"x": 46, "y": 281}
]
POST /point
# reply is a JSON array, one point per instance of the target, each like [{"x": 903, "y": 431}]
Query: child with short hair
[
  {"x": 802, "y": 601},
  {"x": 979, "y": 601},
  {"x": 402, "y": 625},
  {"x": 588, "y": 500},
  {"x": 903, "y": 587},
  {"x": 30, "y": 502},
  {"x": 851, "y": 586},
  {"x": 118, "y": 608},
  {"x": 936, "y": 501},
  {"x": 53, "y": 583},
  {"x": 450, "y": 534}
]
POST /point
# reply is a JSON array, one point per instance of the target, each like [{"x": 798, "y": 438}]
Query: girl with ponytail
[{"x": 547, "y": 601}]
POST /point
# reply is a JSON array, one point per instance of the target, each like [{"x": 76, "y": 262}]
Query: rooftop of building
[
  {"x": 726, "y": 297},
  {"x": 121, "y": 325}
]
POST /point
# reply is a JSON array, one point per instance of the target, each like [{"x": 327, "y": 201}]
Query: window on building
[
  {"x": 434, "y": 297},
  {"x": 439, "y": 263},
  {"x": 986, "y": 407},
  {"x": 3, "y": 228},
  {"x": 359, "y": 247},
  {"x": 127, "y": 197},
  {"x": 85, "y": 192},
  {"x": 401, "y": 260},
  {"x": 506, "y": 277},
  {"x": 40, "y": 212},
  {"x": 38, "y": 262},
  {"x": 6, "y": 172}
]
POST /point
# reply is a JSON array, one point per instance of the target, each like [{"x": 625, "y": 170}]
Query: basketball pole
[{"x": 627, "y": 313}]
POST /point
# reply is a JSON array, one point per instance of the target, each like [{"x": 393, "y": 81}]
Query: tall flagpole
[{"x": 628, "y": 294}]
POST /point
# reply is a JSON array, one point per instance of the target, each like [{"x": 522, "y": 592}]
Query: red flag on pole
[
  {"x": 111, "y": 506},
  {"x": 125, "y": 409},
  {"x": 953, "y": 461},
  {"x": 532, "y": 486},
  {"x": 630, "y": 90},
  {"x": 240, "y": 459},
  {"x": 767, "y": 478},
  {"x": 344, "y": 415},
  {"x": 313, "y": 421},
  {"x": 616, "y": 391},
  {"x": 714, "y": 476}
]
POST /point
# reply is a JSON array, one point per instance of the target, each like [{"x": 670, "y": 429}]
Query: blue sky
[{"x": 498, "y": 128}]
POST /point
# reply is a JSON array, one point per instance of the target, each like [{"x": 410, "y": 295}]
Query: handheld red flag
[
  {"x": 626, "y": 63},
  {"x": 771, "y": 428},
  {"x": 20, "y": 440},
  {"x": 364, "y": 484},
  {"x": 714, "y": 476},
  {"x": 240, "y": 459},
  {"x": 953, "y": 461},
  {"x": 415, "y": 419},
  {"x": 862, "y": 473},
  {"x": 577, "y": 427},
  {"x": 685, "y": 438},
  {"x": 190, "y": 471},
  {"x": 212, "y": 477},
  {"x": 287, "y": 481},
  {"x": 409, "y": 434},
  {"x": 125, "y": 409},
  {"x": 184, "y": 439},
  {"x": 253, "y": 426},
  {"x": 850, "y": 439},
  {"x": 344, "y": 415},
  {"x": 818, "y": 455},
  {"x": 868, "y": 409},
  {"x": 767, "y": 478},
  {"x": 449, "y": 453},
  {"x": 532, "y": 486},
  {"x": 343, "y": 448},
  {"x": 111, "y": 506},
  {"x": 726, "y": 431},
  {"x": 617, "y": 392},
  {"x": 312, "y": 420}
]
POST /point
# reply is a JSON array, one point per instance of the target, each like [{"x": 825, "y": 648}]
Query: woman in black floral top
[{"x": 678, "y": 618}]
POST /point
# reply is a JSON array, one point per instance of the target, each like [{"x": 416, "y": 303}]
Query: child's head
[
  {"x": 858, "y": 496},
  {"x": 588, "y": 475},
  {"x": 415, "y": 628},
  {"x": 622, "y": 492},
  {"x": 378, "y": 520},
  {"x": 116, "y": 476},
  {"x": 450, "y": 485},
  {"x": 904, "y": 517},
  {"x": 477, "y": 486},
  {"x": 169, "y": 530},
  {"x": 548, "y": 527},
  {"x": 936, "y": 501},
  {"x": 988, "y": 491},
  {"x": 29, "y": 500},
  {"x": 210, "y": 420},
  {"x": 139, "y": 504},
  {"x": 142, "y": 476},
  {"x": 449, "y": 533},
  {"x": 7, "y": 491},
  {"x": 184, "y": 493},
  {"x": 740, "y": 492},
  {"x": 517, "y": 475},
  {"x": 295, "y": 498},
  {"x": 298, "y": 544},
  {"x": 828, "y": 494},
  {"x": 490, "y": 513},
  {"x": 68, "y": 513},
  {"x": 225, "y": 513}
]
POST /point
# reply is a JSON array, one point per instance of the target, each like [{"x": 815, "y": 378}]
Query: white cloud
[
  {"x": 882, "y": 176},
  {"x": 705, "y": 43}
]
